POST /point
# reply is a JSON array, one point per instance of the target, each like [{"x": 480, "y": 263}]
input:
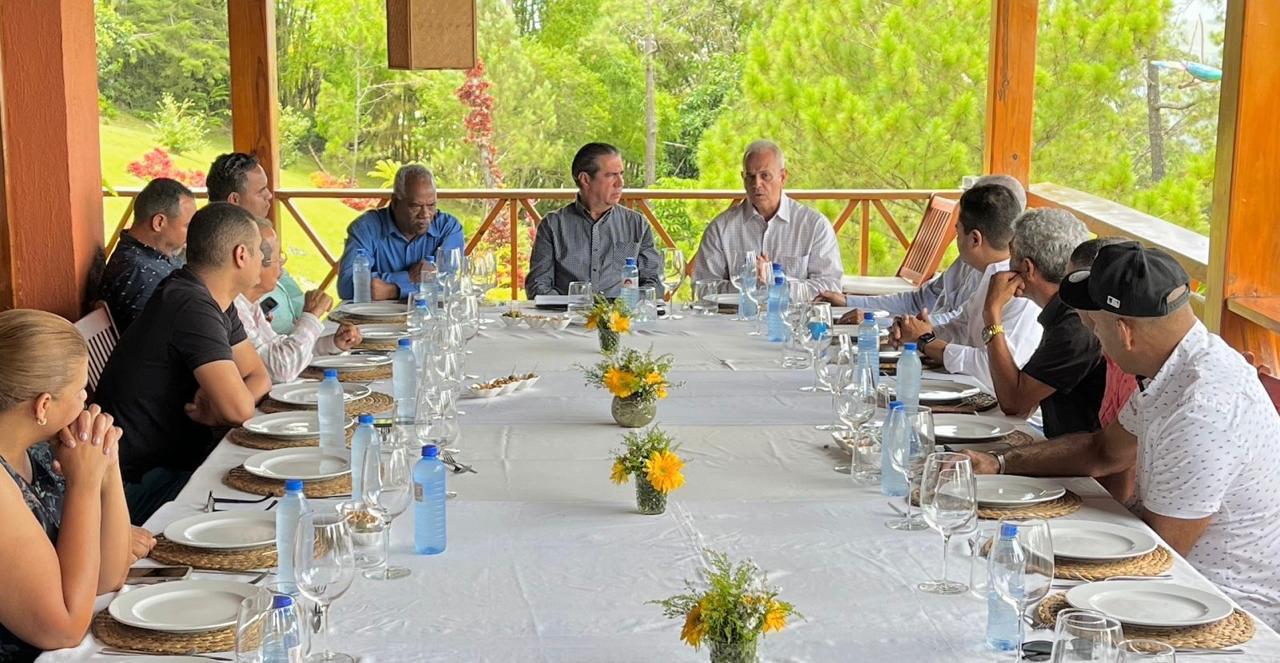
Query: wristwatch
[
  {"x": 990, "y": 331},
  {"x": 925, "y": 339}
]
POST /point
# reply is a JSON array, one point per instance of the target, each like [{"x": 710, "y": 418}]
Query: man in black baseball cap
[{"x": 1196, "y": 435}]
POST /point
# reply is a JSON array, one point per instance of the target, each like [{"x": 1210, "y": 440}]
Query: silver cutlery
[
  {"x": 117, "y": 651},
  {"x": 1208, "y": 652},
  {"x": 897, "y": 509},
  {"x": 1073, "y": 582},
  {"x": 458, "y": 468}
]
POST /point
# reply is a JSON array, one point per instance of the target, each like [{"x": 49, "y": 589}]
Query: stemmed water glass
[
  {"x": 742, "y": 266},
  {"x": 816, "y": 338},
  {"x": 1087, "y": 635},
  {"x": 833, "y": 366},
  {"x": 388, "y": 481},
  {"x": 673, "y": 266},
  {"x": 949, "y": 500},
  {"x": 1146, "y": 651},
  {"x": 482, "y": 266},
  {"x": 1024, "y": 578},
  {"x": 324, "y": 565},
  {"x": 855, "y": 406},
  {"x": 759, "y": 297},
  {"x": 907, "y": 454}
]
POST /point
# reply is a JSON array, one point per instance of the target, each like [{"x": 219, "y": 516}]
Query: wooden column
[
  {"x": 1243, "y": 302},
  {"x": 255, "y": 98},
  {"x": 1011, "y": 82},
  {"x": 52, "y": 190}
]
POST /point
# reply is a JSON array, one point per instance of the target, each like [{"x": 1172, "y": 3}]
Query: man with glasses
[
  {"x": 286, "y": 355},
  {"x": 400, "y": 239}
]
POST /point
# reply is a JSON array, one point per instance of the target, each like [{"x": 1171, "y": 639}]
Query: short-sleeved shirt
[
  {"x": 1068, "y": 359},
  {"x": 151, "y": 375},
  {"x": 131, "y": 275},
  {"x": 1208, "y": 438},
  {"x": 43, "y": 495}
]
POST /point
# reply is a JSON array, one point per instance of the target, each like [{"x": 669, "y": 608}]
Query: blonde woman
[{"x": 67, "y": 533}]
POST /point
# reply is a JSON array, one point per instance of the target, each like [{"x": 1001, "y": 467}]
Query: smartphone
[
  {"x": 268, "y": 305},
  {"x": 159, "y": 573}
]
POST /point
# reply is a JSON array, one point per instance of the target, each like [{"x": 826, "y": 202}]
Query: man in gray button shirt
[{"x": 590, "y": 238}]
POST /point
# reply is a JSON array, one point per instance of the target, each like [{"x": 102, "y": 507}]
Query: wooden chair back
[
  {"x": 1272, "y": 385},
  {"x": 100, "y": 333},
  {"x": 937, "y": 230}
]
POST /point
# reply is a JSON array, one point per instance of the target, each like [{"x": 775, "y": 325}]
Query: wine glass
[
  {"x": 1146, "y": 651},
  {"x": 815, "y": 338},
  {"x": 795, "y": 323},
  {"x": 949, "y": 500},
  {"x": 483, "y": 268},
  {"x": 388, "y": 481},
  {"x": 673, "y": 266},
  {"x": 759, "y": 298},
  {"x": 324, "y": 565},
  {"x": 907, "y": 454},
  {"x": 855, "y": 406},
  {"x": 742, "y": 265},
  {"x": 1085, "y": 635},
  {"x": 1020, "y": 567},
  {"x": 833, "y": 367}
]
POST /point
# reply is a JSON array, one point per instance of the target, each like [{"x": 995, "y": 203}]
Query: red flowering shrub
[{"x": 157, "y": 163}]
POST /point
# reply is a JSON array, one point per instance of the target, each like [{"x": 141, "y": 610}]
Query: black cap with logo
[{"x": 1129, "y": 280}]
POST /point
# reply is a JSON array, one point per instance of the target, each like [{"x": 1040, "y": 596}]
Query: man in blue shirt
[{"x": 399, "y": 238}]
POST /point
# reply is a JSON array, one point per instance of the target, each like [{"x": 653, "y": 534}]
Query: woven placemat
[
  {"x": 1067, "y": 504},
  {"x": 362, "y": 375},
  {"x": 240, "y": 479},
  {"x": 375, "y": 403},
  {"x": 244, "y": 438},
  {"x": 112, "y": 633},
  {"x": 966, "y": 405},
  {"x": 891, "y": 367},
  {"x": 377, "y": 346},
  {"x": 253, "y": 559},
  {"x": 1151, "y": 564},
  {"x": 1229, "y": 632}
]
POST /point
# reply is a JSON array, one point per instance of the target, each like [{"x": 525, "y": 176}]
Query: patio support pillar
[
  {"x": 1011, "y": 82},
  {"x": 255, "y": 99},
  {"x": 1243, "y": 301},
  {"x": 51, "y": 194}
]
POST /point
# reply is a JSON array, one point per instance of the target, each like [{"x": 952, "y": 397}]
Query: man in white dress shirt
[
  {"x": 285, "y": 355},
  {"x": 772, "y": 226},
  {"x": 1201, "y": 433},
  {"x": 985, "y": 219}
]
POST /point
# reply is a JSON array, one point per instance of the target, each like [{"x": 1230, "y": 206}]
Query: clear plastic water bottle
[
  {"x": 869, "y": 344},
  {"x": 360, "y": 441},
  {"x": 362, "y": 277},
  {"x": 429, "y": 282},
  {"x": 419, "y": 329},
  {"x": 404, "y": 379},
  {"x": 630, "y": 292},
  {"x": 909, "y": 370},
  {"x": 746, "y": 307},
  {"x": 777, "y": 308},
  {"x": 1002, "y": 618},
  {"x": 288, "y": 512},
  {"x": 281, "y": 632},
  {"x": 333, "y": 413},
  {"x": 894, "y": 432},
  {"x": 428, "y": 502}
]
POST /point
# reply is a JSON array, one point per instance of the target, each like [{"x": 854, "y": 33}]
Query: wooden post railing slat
[
  {"x": 531, "y": 212},
  {"x": 484, "y": 225},
  {"x": 844, "y": 215},
  {"x": 657, "y": 225},
  {"x": 865, "y": 253},
  {"x": 893, "y": 225},
  {"x": 315, "y": 239},
  {"x": 124, "y": 218},
  {"x": 515, "y": 247}
]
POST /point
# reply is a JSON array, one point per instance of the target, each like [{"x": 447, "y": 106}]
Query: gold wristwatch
[{"x": 990, "y": 331}]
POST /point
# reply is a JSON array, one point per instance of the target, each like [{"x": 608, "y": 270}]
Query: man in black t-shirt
[
  {"x": 1066, "y": 375},
  {"x": 185, "y": 367}
]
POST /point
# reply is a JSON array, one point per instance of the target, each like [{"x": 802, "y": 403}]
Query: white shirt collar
[{"x": 784, "y": 210}]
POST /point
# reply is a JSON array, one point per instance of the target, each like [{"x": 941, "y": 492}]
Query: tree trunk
[{"x": 1155, "y": 127}]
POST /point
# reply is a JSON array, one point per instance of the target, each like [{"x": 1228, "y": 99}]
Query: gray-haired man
[{"x": 399, "y": 238}]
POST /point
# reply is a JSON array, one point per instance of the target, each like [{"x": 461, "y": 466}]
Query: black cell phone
[
  {"x": 268, "y": 305},
  {"x": 159, "y": 572}
]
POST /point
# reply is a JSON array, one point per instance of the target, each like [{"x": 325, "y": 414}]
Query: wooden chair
[
  {"x": 1272, "y": 385},
  {"x": 100, "y": 333},
  {"x": 921, "y": 262}
]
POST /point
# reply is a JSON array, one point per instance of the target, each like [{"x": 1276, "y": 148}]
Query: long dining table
[{"x": 547, "y": 560}]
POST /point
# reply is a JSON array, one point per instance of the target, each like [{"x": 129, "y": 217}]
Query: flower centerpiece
[
  {"x": 651, "y": 457},
  {"x": 637, "y": 380},
  {"x": 731, "y": 612},
  {"x": 609, "y": 319}
]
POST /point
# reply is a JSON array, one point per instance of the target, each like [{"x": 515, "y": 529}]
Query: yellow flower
[
  {"x": 663, "y": 470},
  {"x": 653, "y": 377},
  {"x": 662, "y": 393},
  {"x": 619, "y": 473},
  {"x": 619, "y": 322},
  {"x": 694, "y": 628},
  {"x": 619, "y": 382},
  {"x": 775, "y": 618},
  {"x": 592, "y": 321}
]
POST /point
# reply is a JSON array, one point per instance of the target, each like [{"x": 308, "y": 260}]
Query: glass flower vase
[
  {"x": 608, "y": 341},
  {"x": 634, "y": 412},
  {"x": 649, "y": 500},
  {"x": 733, "y": 652}
]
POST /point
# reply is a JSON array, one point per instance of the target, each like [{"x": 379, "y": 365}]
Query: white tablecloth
[{"x": 547, "y": 560}]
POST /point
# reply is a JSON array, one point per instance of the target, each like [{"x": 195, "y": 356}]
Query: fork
[
  {"x": 458, "y": 468},
  {"x": 117, "y": 651}
]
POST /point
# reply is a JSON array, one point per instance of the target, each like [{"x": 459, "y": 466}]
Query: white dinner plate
[
  {"x": 970, "y": 428},
  {"x": 1091, "y": 540},
  {"x": 725, "y": 298},
  {"x": 938, "y": 391},
  {"x": 182, "y": 606},
  {"x": 1009, "y": 490},
  {"x": 224, "y": 530},
  {"x": 383, "y": 332},
  {"x": 1150, "y": 603},
  {"x": 375, "y": 309},
  {"x": 305, "y": 463},
  {"x": 889, "y": 354},
  {"x": 305, "y": 392},
  {"x": 852, "y": 331},
  {"x": 288, "y": 425},
  {"x": 351, "y": 362}
]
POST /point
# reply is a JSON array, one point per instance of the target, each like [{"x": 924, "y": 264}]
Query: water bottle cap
[
  {"x": 431, "y": 259},
  {"x": 868, "y": 316},
  {"x": 895, "y": 405},
  {"x": 362, "y": 252},
  {"x": 281, "y": 601},
  {"x": 631, "y": 262},
  {"x": 909, "y": 347},
  {"x": 779, "y": 280},
  {"x": 331, "y": 374},
  {"x": 1008, "y": 530},
  {"x": 430, "y": 451},
  {"x": 365, "y": 420},
  {"x": 405, "y": 343},
  {"x": 421, "y": 304},
  {"x": 292, "y": 485},
  {"x": 777, "y": 266}
]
